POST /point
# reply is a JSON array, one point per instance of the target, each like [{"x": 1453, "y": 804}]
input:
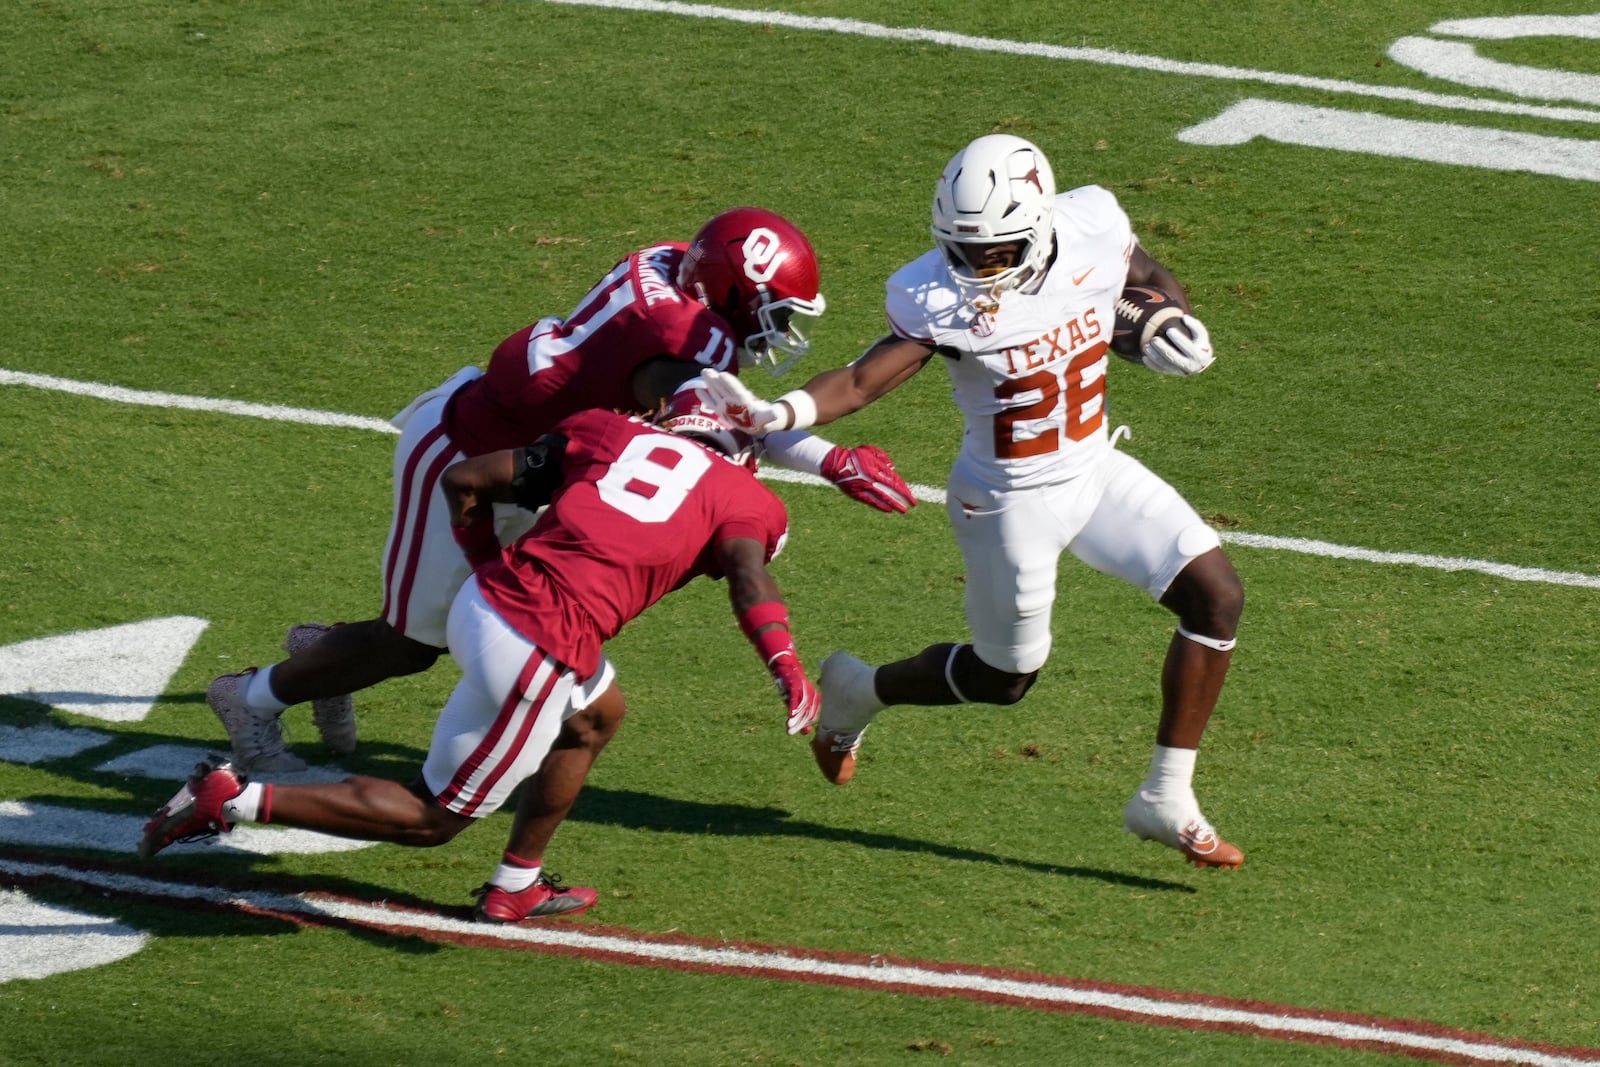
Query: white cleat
[
  {"x": 1179, "y": 826},
  {"x": 334, "y": 717},
  {"x": 257, "y": 736},
  {"x": 849, "y": 701}
]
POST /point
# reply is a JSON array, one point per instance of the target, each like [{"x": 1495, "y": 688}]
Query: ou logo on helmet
[{"x": 764, "y": 255}]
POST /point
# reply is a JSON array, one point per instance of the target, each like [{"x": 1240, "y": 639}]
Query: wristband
[
  {"x": 770, "y": 643},
  {"x": 803, "y": 407},
  {"x": 769, "y": 611}
]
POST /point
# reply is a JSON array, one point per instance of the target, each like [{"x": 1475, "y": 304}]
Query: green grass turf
[{"x": 335, "y": 207}]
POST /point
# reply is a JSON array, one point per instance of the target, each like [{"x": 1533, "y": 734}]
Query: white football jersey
[{"x": 1030, "y": 377}]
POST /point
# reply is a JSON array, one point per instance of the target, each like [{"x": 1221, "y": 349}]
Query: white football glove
[
  {"x": 732, "y": 400},
  {"x": 1183, "y": 348}
]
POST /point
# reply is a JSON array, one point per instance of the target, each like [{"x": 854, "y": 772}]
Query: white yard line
[
  {"x": 862, "y": 971},
  {"x": 144, "y": 398},
  {"x": 927, "y": 493},
  {"x": 1098, "y": 56}
]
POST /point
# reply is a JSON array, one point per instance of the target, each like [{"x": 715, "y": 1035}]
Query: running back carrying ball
[
  {"x": 1142, "y": 312},
  {"x": 1153, "y": 330}
]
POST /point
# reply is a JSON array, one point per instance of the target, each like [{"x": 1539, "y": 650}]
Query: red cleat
[
  {"x": 195, "y": 812},
  {"x": 543, "y": 898}
]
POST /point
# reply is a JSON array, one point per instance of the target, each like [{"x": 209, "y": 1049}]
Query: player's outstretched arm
[
  {"x": 864, "y": 473},
  {"x": 828, "y": 396},
  {"x": 759, "y": 607}
]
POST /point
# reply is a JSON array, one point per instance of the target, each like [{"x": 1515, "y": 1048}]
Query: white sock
[
  {"x": 861, "y": 707},
  {"x": 246, "y": 807},
  {"x": 258, "y": 692},
  {"x": 1171, "y": 772},
  {"x": 514, "y": 875}
]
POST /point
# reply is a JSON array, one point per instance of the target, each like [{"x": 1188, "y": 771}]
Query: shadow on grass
[
  {"x": 629, "y": 809},
  {"x": 145, "y": 895},
  {"x": 647, "y": 811}
]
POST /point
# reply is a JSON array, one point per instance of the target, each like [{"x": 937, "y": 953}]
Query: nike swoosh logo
[
  {"x": 1077, "y": 279},
  {"x": 1199, "y": 839}
]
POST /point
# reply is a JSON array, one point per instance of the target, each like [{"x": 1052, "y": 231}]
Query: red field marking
[{"x": 988, "y": 985}]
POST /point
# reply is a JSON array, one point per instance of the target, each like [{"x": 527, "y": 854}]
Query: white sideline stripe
[
  {"x": 764, "y": 964},
  {"x": 929, "y": 494},
  {"x": 193, "y": 403},
  {"x": 1102, "y": 56},
  {"x": 1507, "y": 571}
]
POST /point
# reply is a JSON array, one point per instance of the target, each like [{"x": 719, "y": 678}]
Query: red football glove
[
  {"x": 805, "y": 703},
  {"x": 478, "y": 542},
  {"x": 866, "y": 473},
  {"x": 775, "y": 646}
]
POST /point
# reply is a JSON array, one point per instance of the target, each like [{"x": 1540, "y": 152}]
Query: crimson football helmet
[
  {"x": 757, "y": 270},
  {"x": 997, "y": 190},
  {"x": 689, "y": 412}
]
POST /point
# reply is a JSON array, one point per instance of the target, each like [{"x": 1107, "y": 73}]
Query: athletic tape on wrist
[{"x": 804, "y": 408}]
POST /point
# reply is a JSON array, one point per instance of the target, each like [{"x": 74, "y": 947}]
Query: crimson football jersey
[
  {"x": 637, "y": 515},
  {"x": 545, "y": 372}
]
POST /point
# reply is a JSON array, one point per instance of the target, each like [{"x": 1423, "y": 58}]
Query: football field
[{"x": 237, "y": 238}]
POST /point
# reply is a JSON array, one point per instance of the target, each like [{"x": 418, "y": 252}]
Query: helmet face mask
[
  {"x": 757, "y": 270},
  {"x": 784, "y": 333},
  {"x": 999, "y": 190}
]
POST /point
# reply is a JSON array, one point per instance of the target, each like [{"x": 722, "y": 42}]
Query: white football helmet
[{"x": 996, "y": 190}]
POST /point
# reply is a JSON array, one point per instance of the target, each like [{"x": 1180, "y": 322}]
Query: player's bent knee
[
  {"x": 1218, "y": 610},
  {"x": 431, "y": 837},
  {"x": 980, "y": 683},
  {"x": 408, "y": 656},
  {"x": 586, "y": 731},
  {"x": 378, "y": 640},
  {"x": 437, "y": 824},
  {"x": 1208, "y": 596}
]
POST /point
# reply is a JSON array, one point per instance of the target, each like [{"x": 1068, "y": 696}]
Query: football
[{"x": 1142, "y": 311}]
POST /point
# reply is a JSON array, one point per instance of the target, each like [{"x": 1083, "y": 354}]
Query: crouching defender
[{"x": 634, "y": 512}]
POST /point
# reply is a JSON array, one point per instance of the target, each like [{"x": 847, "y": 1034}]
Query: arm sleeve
[{"x": 797, "y": 450}]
